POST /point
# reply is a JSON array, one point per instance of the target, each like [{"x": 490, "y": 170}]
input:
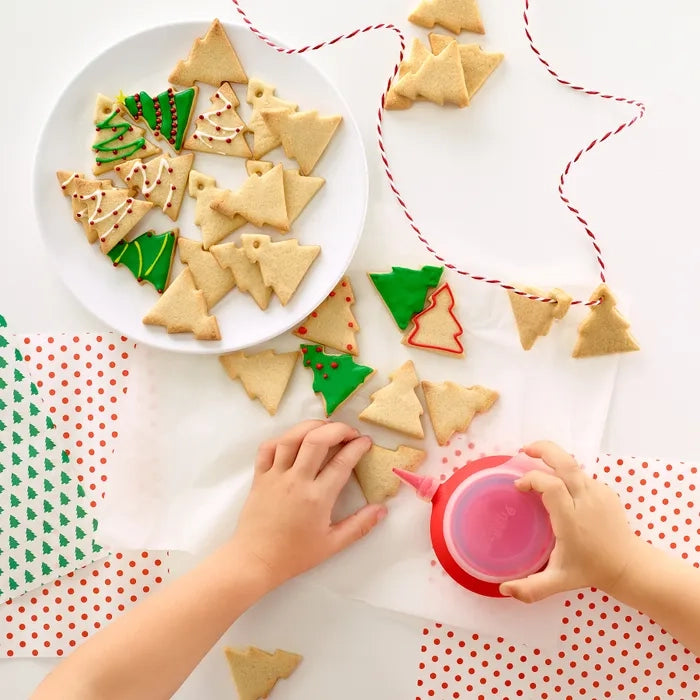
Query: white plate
[{"x": 333, "y": 219}]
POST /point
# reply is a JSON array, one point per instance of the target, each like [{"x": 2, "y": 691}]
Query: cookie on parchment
[
  {"x": 255, "y": 672},
  {"x": 439, "y": 79},
  {"x": 604, "y": 330},
  {"x": 215, "y": 281},
  {"x": 246, "y": 273},
  {"x": 304, "y": 135},
  {"x": 162, "y": 180},
  {"x": 374, "y": 471},
  {"x": 260, "y": 200},
  {"x": 183, "y": 309},
  {"x": 299, "y": 189},
  {"x": 283, "y": 264},
  {"x": 336, "y": 377},
  {"x": 477, "y": 64},
  {"x": 214, "y": 225},
  {"x": 262, "y": 96},
  {"x": 419, "y": 52},
  {"x": 396, "y": 405},
  {"x": 332, "y": 323},
  {"x": 212, "y": 60},
  {"x": 455, "y": 15},
  {"x": 535, "y": 318},
  {"x": 452, "y": 407},
  {"x": 220, "y": 130},
  {"x": 264, "y": 375},
  {"x": 437, "y": 328}
]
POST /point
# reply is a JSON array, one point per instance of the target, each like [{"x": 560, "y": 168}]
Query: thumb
[
  {"x": 356, "y": 526},
  {"x": 533, "y": 588}
]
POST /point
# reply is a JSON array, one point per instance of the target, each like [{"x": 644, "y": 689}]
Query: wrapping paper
[
  {"x": 606, "y": 650},
  {"x": 83, "y": 380},
  {"x": 45, "y": 528},
  {"x": 186, "y": 466}
]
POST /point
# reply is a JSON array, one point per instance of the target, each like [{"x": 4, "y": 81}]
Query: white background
[{"x": 481, "y": 181}]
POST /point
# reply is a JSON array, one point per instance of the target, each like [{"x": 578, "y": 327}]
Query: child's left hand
[{"x": 285, "y": 524}]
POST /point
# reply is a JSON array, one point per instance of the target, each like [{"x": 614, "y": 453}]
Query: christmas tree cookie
[
  {"x": 333, "y": 324},
  {"x": 45, "y": 530},
  {"x": 404, "y": 290},
  {"x": 304, "y": 135},
  {"x": 262, "y": 96},
  {"x": 161, "y": 181},
  {"x": 255, "y": 672},
  {"x": 604, "y": 331},
  {"x": 439, "y": 79},
  {"x": 214, "y": 225},
  {"x": 299, "y": 189},
  {"x": 212, "y": 60},
  {"x": 167, "y": 114},
  {"x": 535, "y": 318},
  {"x": 246, "y": 273},
  {"x": 264, "y": 376},
  {"x": 415, "y": 59},
  {"x": 111, "y": 214},
  {"x": 455, "y": 15},
  {"x": 477, "y": 64},
  {"x": 220, "y": 130},
  {"x": 374, "y": 471},
  {"x": 283, "y": 264},
  {"x": 260, "y": 200},
  {"x": 183, "y": 309},
  {"x": 116, "y": 141},
  {"x": 336, "y": 377},
  {"x": 437, "y": 328},
  {"x": 73, "y": 185},
  {"x": 452, "y": 407},
  {"x": 149, "y": 257},
  {"x": 215, "y": 281},
  {"x": 396, "y": 406}
]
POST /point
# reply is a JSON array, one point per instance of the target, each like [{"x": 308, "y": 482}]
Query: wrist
[{"x": 637, "y": 564}]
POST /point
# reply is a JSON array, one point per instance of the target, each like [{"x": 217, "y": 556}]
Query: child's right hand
[{"x": 594, "y": 544}]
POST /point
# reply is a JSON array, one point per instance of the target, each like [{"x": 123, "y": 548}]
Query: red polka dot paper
[
  {"x": 606, "y": 650},
  {"x": 83, "y": 380}
]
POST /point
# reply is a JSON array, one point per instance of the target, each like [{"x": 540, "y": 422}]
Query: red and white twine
[{"x": 385, "y": 160}]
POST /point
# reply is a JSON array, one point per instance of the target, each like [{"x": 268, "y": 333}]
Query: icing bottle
[{"x": 483, "y": 530}]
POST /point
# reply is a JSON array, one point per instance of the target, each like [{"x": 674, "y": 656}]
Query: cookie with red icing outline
[
  {"x": 437, "y": 328},
  {"x": 333, "y": 324}
]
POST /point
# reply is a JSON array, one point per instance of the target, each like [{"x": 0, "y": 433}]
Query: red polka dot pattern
[
  {"x": 606, "y": 650},
  {"x": 81, "y": 380}
]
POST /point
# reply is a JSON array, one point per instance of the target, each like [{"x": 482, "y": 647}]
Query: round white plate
[{"x": 333, "y": 219}]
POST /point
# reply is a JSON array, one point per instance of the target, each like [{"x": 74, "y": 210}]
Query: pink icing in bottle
[{"x": 483, "y": 530}]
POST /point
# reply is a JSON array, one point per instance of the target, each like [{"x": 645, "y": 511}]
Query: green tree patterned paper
[{"x": 45, "y": 530}]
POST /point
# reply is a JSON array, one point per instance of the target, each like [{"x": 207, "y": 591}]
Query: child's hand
[
  {"x": 594, "y": 544},
  {"x": 286, "y": 522}
]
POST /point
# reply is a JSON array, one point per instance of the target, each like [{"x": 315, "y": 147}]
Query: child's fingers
[
  {"x": 265, "y": 456},
  {"x": 338, "y": 469},
  {"x": 555, "y": 495},
  {"x": 314, "y": 448},
  {"x": 287, "y": 445},
  {"x": 565, "y": 466},
  {"x": 356, "y": 526},
  {"x": 535, "y": 587}
]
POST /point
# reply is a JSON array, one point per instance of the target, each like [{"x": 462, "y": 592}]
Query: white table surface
[{"x": 639, "y": 192}]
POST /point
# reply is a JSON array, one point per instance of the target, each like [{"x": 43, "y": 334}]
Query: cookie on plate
[
  {"x": 215, "y": 281},
  {"x": 183, "y": 309},
  {"x": 212, "y": 60},
  {"x": 246, "y": 273}
]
